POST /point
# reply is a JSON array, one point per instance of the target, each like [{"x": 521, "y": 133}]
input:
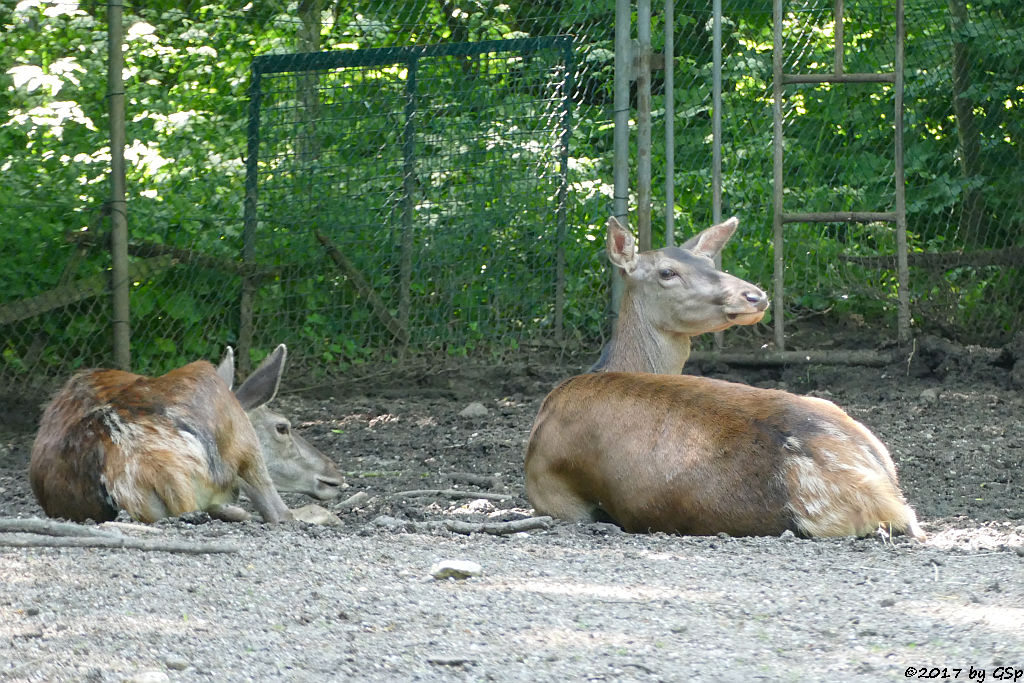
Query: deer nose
[
  {"x": 330, "y": 482},
  {"x": 756, "y": 297}
]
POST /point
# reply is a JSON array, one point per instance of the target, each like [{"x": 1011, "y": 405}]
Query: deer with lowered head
[
  {"x": 164, "y": 446},
  {"x": 640, "y": 445}
]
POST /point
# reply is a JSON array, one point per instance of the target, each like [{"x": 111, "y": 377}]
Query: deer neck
[{"x": 637, "y": 346}]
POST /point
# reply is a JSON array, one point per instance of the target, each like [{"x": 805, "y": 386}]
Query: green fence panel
[{"x": 419, "y": 205}]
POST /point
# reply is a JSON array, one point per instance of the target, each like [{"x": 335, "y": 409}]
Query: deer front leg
[{"x": 260, "y": 490}]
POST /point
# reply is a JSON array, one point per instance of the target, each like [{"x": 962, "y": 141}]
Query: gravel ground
[{"x": 356, "y": 601}]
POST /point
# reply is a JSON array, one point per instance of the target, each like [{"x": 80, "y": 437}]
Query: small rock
[
  {"x": 479, "y": 506},
  {"x": 474, "y": 409},
  {"x": 198, "y": 517},
  {"x": 602, "y": 529},
  {"x": 315, "y": 514},
  {"x": 355, "y": 500},
  {"x": 148, "y": 677},
  {"x": 455, "y": 569},
  {"x": 787, "y": 535},
  {"x": 176, "y": 663},
  {"x": 929, "y": 395},
  {"x": 387, "y": 522},
  {"x": 450, "y": 661},
  {"x": 887, "y": 602}
]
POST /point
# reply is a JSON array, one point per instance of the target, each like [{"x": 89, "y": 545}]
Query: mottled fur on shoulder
[{"x": 154, "y": 447}]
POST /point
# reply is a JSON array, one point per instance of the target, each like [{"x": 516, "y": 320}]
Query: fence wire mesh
[
  {"x": 410, "y": 196},
  {"x": 461, "y": 257}
]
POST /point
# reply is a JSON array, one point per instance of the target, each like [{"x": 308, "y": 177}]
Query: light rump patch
[{"x": 181, "y": 461}]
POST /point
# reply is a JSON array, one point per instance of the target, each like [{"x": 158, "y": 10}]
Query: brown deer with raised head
[
  {"x": 164, "y": 446},
  {"x": 694, "y": 455}
]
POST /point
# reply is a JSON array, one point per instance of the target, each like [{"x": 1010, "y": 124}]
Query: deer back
[{"x": 694, "y": 455}]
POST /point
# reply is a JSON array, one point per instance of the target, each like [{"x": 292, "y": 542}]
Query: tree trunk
[
  {"x": 308, "y": 40},
  {"x": 973, "y": 207}
]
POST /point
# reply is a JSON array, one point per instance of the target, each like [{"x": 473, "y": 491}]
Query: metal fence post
[
  {"x": 716, "y": 133},
  {"x": 620, "y": 163},
  {"x": 777, "y": 193},
  {"x": 408, "y": 202},
  {"x": 120, "y": 281},
  {"x": 643, "y": 126},
  {"x": 670, "y": 132},
  {"x": 245, "y": 306},
  {"x": 563, "y": 193},
  {"x": 902, "y": 267},
  {"x": 716, "y": 118}
]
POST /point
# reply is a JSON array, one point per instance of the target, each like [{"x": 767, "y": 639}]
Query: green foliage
[{"x": 480, "y": 231}]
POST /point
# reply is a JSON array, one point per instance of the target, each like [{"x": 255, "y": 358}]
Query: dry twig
[
  {"x": 123, "y": 542},
  {"x": 498, "y": 528},
  {"x": 33, "y": 532},
  {"x": 454, "y": 494}
]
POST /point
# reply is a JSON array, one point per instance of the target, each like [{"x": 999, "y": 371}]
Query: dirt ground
[{"x": 298, "y": 602}]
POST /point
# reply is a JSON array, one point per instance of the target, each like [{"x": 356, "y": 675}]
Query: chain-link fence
[
  {"x": 431, "y": 204},
  {"x": 409, "y": 197},
  {"x": 961, "y": 120}
]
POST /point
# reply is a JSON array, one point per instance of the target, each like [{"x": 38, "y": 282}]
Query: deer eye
[
  {"x": 666, "y": 273},
  {"x": 282, "y": 428}
]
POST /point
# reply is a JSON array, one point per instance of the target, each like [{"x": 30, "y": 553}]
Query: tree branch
[
  {"x": 454, "y": 494},
  {"x": 49, "y": 527},
  {"x": 123, "y": 542},
  {"x": 457, "y": 526},
  {"x": 33, "y": 532},
  {"x": 498, "y": 528},
  {"x": 377, "y": 304}
]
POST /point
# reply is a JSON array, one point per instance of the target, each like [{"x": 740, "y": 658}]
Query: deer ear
[
  {"x": 226, "y": 369},
  {"x": 711, "y": 240},
  {"x": 261, "y": 386},
  {"x": 621, "y": 246}
]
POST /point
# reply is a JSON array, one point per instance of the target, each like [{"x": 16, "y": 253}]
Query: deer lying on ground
[
  {"x": 694, "y": 455},
  {"x": 164, "y": 446}
]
